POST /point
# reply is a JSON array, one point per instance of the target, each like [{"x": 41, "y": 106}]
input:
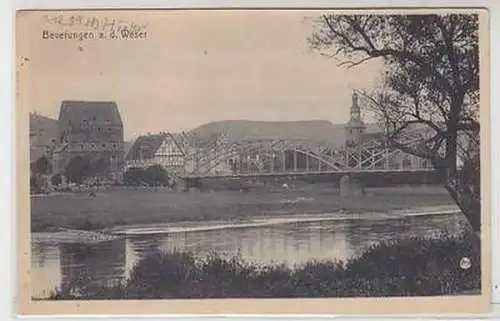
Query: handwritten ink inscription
[{"x": 80, "y": 28}]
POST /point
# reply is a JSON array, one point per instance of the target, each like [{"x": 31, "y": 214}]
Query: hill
[{"x": 321, "y": 131}]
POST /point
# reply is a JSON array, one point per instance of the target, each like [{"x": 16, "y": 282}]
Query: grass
[
  {"x": 122, "y": 206},
  {"x": 408, "y": 267}
]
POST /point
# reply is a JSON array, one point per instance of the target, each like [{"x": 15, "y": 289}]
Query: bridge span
[{"x": 362, "y": 154}]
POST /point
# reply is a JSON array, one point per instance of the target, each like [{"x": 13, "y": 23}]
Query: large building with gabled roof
[{"x": 91, "y": 130}]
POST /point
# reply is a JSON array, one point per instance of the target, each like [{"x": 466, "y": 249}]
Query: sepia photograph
[{"x": 252, "y": 154}]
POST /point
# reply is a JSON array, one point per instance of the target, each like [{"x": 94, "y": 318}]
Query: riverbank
[
  {"x": 408, "y": 267},
  {"x": 118, "y": 207},
  {"x": 69, "y": 236}
]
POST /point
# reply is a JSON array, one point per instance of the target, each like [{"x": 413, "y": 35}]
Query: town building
[
  {"x": 42, "y": 136},
  {"x": 165, "y": 149},
  {"x": 91, "y": 130}
]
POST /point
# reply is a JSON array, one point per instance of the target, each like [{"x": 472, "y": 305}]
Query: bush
[
  {"x": 154, "y": 175},
  {"x": 133, "y": 176},
  {"x": 35, "y": 185},
  {"x": 41, "y": 166},
  {"x": 56, "y": 179},
  {"x": 78, "y": 169},
  {"x": 410, "y": 267}
]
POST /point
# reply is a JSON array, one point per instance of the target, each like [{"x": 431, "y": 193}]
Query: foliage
[
  {"x": 154, "y": 175},
  {"x": 81, "y": 168},
  {"x": 429, "y": 100},
  {"x": 56, "y": 179},
  {"x": 134, "y": 176},
  {"x": 41, "y": 166},
  {"x": 99, "y": 167},
  {"x": 408, "y": 267},
  {"x": 35, "y": 184},
  {"x": 78, "y": 169}
]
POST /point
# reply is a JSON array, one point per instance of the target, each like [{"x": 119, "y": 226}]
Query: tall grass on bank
[{"x": 409, "y": 267}]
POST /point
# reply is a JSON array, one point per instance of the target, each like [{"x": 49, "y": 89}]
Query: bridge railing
[{"x": 254, "y": 157}]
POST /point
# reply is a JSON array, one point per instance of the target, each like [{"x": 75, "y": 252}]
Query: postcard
[{"x": 253, "y": 161}]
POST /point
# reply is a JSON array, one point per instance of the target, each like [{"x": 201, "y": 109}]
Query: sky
[{"x": 191, "y": 68}]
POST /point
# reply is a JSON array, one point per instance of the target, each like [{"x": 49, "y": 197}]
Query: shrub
[
  {"x": 409, "y": 267},
  {"x": 133, "y": 176},
  {"x": 154, "y": 175},
  {"x": 78, "y": 169},
  {"x": 56, "y": 179}
]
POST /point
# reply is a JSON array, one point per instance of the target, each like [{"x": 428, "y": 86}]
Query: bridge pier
[
  {"x": 294, "y": 161},
  {"x": 351, "y": 185}
]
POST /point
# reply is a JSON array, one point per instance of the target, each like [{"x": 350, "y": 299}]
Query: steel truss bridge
[{"x": 261, "y": 157}]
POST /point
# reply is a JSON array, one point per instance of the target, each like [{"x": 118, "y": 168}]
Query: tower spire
[
  {"x": 354, "y": 98},
  {"x": 355, "y": 110},
  {"x": 355, "y": 128}
]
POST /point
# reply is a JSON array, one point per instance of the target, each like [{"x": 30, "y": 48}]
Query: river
[{"x": 290, "y": 242}]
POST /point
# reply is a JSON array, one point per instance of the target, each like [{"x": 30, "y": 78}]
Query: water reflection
[
  {"x": 102, "y": 263},
  {"x": 58, "y": 265},
  {"x": 277, "y": 244},
  {"x": 45, "y": 270}
]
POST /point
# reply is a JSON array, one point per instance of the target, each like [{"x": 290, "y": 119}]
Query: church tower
[{"x": 355, "y": 128}]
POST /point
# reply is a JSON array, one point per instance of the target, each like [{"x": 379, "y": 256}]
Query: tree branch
[{"x": 351, "y": 64}]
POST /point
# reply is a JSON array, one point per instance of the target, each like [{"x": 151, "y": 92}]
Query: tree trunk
[
  {"x": 462, "y": 184},
  {"x": 467, "y": 200}
]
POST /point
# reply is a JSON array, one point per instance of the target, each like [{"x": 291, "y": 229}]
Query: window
[
  {"x": 94, "y": 118},
  {"x": 103, "y": 145},
  {"x": 109, "y": 129},
  {"x": 114, "y": 145},
  {"x": 92, "y": 145},
  {"x": 82, "y": 146}
]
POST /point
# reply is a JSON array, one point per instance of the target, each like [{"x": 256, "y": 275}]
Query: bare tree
[{"x": 430, "y": 88}]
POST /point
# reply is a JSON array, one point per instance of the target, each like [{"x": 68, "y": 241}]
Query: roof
[
  {"x": 101, "y": 111},
  {"x": 180, "y": 140},
  {"x": 146, "y": 146},
  {"x": 37, "y": 118}
]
